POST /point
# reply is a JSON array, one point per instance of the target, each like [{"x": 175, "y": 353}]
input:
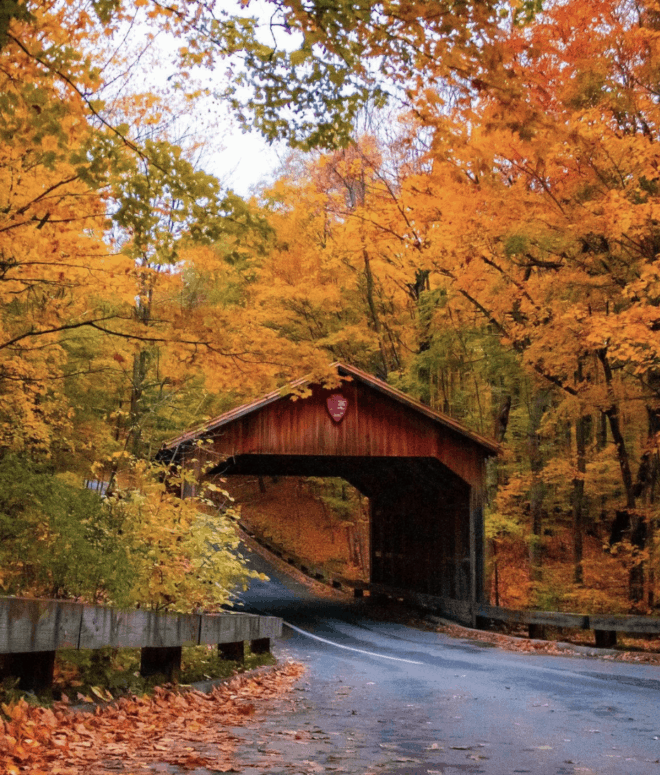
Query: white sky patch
[
  {"x": 241, "y": 161},
  {"x": 245, "y": 161}
]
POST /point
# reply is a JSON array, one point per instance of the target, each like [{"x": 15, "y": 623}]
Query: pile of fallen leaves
[
  {"x": 512, "y": 643},
  {"x": 188, "y": 729}
]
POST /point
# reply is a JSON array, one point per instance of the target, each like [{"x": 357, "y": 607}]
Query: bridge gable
[{"x": 379, "y": 421}]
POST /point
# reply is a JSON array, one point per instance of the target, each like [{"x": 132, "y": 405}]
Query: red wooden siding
[{"x": 374, "y": 426}]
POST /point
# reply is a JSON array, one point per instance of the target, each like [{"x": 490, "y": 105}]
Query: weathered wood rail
[
  {"x": 32, "y": 630},
  {"x": 479, "y": 615}
]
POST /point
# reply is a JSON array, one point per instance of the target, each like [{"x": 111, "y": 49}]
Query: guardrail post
[
  {"x": 164, "y": 660},
  {"x": 234, "y": 652},
  {"x": 34, "y": 670},
  {"x": 260, "y": 646},
  {"x": 537, "y": 631},
  {"x": 605, "y": 639}
]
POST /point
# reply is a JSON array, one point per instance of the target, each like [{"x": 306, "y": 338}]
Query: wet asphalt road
[{"x": 381, "y": 697}]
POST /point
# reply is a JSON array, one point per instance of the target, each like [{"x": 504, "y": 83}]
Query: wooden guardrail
[
  {"x": 32, "y": 630},
  {"x": 478, "y": 615}
]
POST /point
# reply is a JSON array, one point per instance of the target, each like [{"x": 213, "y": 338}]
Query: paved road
[{"x": 390, "y": 698}]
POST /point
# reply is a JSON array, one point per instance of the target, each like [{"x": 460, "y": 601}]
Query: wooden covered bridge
[{"x": 423, "y": 472}]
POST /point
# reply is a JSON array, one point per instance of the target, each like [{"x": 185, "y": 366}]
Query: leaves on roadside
[{"x": 184, "y": 729}]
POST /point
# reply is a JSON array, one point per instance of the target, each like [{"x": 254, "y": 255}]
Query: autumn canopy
[{"x": 468, "y": 211}]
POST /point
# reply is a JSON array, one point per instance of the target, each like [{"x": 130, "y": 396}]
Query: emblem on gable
[{"x": 337, "y": 406}]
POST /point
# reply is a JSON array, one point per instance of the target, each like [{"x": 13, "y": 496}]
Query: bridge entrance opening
[{"x": 419, "y": 514}]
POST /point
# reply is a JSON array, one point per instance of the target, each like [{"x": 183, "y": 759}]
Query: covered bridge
[{"x": 423, "y": 472}]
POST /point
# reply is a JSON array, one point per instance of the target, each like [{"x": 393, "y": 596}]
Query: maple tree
[
  {"x": 104, "y": 232},
  {"x": 565, "y": 154}
]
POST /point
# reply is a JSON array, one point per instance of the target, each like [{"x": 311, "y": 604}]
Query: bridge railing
[{"x": 32, "y": 630}]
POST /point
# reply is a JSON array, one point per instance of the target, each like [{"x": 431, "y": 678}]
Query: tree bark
[
  {"x": 634, "y": 521},
  {"x": 502, "y": 419},
  {"x": 371, "y": 303},
  {"x": 537, "y": 488},
  {"x": 579, "y": 502}
]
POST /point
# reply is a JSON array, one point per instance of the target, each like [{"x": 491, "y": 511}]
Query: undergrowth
[{"x": 107, "y": 674}]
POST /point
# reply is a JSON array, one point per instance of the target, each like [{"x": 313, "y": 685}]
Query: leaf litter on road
[{"x": 188, "y": 729}]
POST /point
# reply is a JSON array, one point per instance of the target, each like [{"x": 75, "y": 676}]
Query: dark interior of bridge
[{"x": 419, "y": 513}]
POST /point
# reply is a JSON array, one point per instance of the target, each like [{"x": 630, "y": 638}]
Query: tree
[
  {"x": 531, "y": 220},
  {"x": 100, "y": 234},
  {"x": 545, "y": 191}
]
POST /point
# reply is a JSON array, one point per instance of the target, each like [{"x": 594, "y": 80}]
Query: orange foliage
[
  {"x": 605, "y": 588},
  {"x": 187, "y": 729},
  {"x": 294, "y": 517}
]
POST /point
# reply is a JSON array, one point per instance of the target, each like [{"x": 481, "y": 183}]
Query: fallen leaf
[{"x": 98, "y": 692}]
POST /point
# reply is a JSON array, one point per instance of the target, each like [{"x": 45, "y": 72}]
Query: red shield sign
[{"x": 337, "y": 406}]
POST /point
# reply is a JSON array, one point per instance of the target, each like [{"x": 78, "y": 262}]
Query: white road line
[{"x": 350, "y": 648}]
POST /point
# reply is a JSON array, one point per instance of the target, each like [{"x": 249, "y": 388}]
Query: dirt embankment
[{"x": 322, "y": 524}]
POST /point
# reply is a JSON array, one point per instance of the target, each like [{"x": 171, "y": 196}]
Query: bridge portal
[{"x": 423, "y": 472}]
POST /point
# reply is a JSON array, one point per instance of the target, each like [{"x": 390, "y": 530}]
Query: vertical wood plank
[
  {"x": 260, "y": 646},
  {"x": 34, "y": 671},
  {"x": 605, "y": 639}
]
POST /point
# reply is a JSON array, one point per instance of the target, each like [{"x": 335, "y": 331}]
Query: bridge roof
[{"x": 487, "y": 446}]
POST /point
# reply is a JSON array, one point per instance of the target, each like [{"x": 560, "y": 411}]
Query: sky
[
  {"x": 245, "y": 162},
  {"x": 247, "y": 159},
  {"x": 241, "y": 161}
]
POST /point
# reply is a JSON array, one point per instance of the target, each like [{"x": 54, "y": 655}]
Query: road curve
[{"x": 381, "y": 697}]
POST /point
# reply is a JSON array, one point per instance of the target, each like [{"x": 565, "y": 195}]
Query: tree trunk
[
  {"x": 371, "y": 303},
  {"x": 634, "y": 521},
  {"x": 537, "y": 488},
  {"x": 140, "y": 367},
  {"x": 582, "y": 427},
  {"x": 647, "y": 481},
  {"x": 502, "y": 419}
]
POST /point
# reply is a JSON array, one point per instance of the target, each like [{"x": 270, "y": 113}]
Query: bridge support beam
[
  {"x": 233, "y": 652},
  {"x": 260, "y": 646}
]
